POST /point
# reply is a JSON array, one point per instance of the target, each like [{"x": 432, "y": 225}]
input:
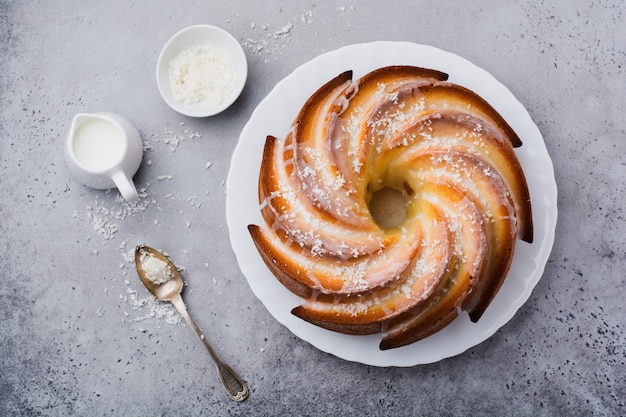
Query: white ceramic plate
[
  {"x": 193, "y": 36},
  {"x": 274, "y": 116}
]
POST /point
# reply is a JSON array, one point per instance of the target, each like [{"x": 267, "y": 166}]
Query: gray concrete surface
[{"x": 77, "y": 335}]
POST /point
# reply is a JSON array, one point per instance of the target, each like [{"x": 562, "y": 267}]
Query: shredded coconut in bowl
[{"x": 203, "y": 73}]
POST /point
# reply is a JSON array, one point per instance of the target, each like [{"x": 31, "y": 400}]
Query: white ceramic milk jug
[{"x": 104, "y": 150}]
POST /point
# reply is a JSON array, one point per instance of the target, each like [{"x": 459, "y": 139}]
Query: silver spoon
[{"x": 170, "y": 291}]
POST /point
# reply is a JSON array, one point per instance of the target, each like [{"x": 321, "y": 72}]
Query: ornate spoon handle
[{"x": 235, "y": 386}]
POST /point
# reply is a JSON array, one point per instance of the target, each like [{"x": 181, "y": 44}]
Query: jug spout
[{"x": 78, "y": 121}]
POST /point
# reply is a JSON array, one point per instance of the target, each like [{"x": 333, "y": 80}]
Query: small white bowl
[{"x": 199, "y": 36}]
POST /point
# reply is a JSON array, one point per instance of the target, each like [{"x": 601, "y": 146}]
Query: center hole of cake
[{"x": 388, "y": 207}]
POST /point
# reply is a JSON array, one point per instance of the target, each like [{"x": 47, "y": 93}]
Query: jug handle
[{"x": 125, "y": 186}]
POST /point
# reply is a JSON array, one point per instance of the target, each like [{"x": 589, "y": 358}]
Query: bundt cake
[{"x": 392, "y": 205}]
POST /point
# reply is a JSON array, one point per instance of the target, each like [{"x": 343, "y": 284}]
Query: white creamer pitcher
[{"x": 104, "y": 150}]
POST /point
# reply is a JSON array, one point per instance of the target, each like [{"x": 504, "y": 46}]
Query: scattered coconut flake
[
  {"x": 283, "y": 30},
  {"x": 266, "y": 42},
  {"x": 306, "y": 17},
  {"x": 155, "y": 309}
]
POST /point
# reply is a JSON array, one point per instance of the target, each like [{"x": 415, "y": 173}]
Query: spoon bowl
[
  {"x": 165, "y": 291},
  {"x": 168, "y": 287}
]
